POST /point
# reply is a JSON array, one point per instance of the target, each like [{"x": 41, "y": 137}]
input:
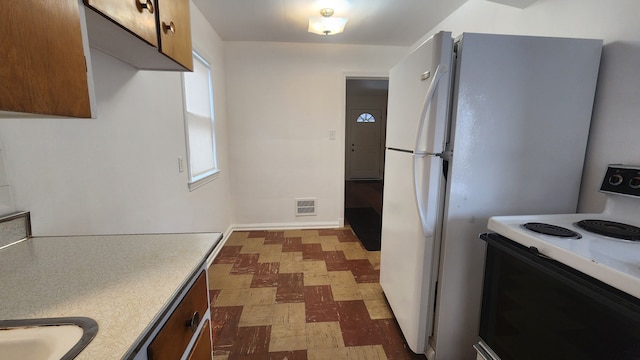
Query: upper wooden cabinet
[
  {"x": 43, "y": 69},
  {"x": 174, "y": 25},
  {"x": 137, "y": 16},
  {"x": 118, "y": 26}
]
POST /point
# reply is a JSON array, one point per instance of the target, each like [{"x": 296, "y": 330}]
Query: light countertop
[{"x": 121, "y": 281}]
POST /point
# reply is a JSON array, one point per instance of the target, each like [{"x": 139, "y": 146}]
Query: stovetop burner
[
  {"x": 552, "y": 230},
  {"x": 611, "y": 228}
]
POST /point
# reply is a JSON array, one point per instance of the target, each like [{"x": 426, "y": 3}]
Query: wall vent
[{"x": 305, "y": 207}]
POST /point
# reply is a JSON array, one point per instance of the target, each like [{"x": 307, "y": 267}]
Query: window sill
[{"x": 203, "y": 180}]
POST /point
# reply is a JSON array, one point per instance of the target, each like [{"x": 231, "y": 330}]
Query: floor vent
[{"x": 305, "y": 207}]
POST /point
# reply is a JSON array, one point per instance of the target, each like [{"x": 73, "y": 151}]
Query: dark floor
[
  {"x": 363, "y": 193},
  {"x": 301, "y": 294}
]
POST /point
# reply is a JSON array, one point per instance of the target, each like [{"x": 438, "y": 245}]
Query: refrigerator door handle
[
  {"x": 417, "y": 154},
  {"x": 445, "y": 155},
  {"x": 440, "y": 71}
]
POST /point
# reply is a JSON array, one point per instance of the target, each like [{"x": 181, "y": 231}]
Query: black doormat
[{"x": 367, "y": 224}]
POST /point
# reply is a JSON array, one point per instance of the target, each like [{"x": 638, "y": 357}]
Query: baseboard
[{"x": 289, "y": 226}]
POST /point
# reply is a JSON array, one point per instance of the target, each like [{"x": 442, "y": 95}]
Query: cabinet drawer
[
  {"x": 173, "y": 338},
  {"x": 203, "y": 349}
]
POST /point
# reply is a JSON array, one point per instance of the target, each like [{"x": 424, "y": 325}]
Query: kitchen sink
[{"x": 45, "y": 339}]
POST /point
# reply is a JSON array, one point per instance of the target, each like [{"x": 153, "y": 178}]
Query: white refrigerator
[{"x": 478, "y": 126}]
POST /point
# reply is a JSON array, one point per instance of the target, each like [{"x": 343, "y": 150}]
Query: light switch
[
  {"x": 332, "y": 134},
  {"x": 180, "y": 164}
]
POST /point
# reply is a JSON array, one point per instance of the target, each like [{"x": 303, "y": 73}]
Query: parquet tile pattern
[{"x": 301, "y": 294}]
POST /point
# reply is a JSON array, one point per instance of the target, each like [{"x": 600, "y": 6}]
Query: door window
[{"x": 366, "y": 118}]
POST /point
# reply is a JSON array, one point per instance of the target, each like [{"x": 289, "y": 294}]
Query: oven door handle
[
  {"x": 534, "y": 250},
  {"x": 485, "y": 352}
]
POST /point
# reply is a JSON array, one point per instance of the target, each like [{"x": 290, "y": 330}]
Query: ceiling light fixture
[{"x": 325, "y": 24}]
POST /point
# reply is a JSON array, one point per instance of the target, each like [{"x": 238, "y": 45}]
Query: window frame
[{"x": 212, "y": 173}]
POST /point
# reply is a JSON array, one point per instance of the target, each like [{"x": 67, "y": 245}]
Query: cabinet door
[
  {"x": 137, "y": 16},
  {"x": 175, "y": 31},
  {"x": 42, "y": 64}
]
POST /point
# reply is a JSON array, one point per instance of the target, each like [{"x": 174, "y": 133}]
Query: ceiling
[{"x": 371, "y": 22}]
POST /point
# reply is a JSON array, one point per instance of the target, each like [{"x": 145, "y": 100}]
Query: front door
[{"x": 365, "y": 145}]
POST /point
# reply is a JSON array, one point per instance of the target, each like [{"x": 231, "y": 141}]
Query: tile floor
[{"x": 301, "y": 294}]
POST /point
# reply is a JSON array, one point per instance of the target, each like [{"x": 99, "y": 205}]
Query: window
[
  {"x": 365, "y": 118},
  {"x": 199, "y": 123}
]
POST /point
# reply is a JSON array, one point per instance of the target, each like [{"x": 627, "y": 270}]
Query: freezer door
[
  {"x": 409, "y": 251},
  {"x": 409, "y": 82}
]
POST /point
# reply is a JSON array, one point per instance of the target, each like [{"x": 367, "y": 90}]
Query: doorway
[
  {"x": 365, "y": 135},
  {"x": 366, "y": 145}
]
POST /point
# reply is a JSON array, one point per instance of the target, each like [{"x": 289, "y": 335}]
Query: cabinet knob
[
  {"x": 145, "y": 4},
  {"x": 193, "y": 322},
  {"x": 169, "y": 27}
]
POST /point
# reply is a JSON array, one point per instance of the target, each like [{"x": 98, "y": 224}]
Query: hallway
[{"x": 363, "y": 193}]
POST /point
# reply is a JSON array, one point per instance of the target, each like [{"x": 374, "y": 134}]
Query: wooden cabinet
[
  {"x": 137, "y": 16},
  {"x": 148, "y": 34},
  {"x": 44, "y": 63},
  {"x": 182, "y": 325},
  {"x": 174, "y": 27},
  {"x": 203, "y": 347}
]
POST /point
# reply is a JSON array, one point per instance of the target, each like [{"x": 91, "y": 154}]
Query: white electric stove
[{"x": 605, "y": 246}]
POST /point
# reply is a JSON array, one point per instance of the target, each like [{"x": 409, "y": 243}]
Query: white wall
[
  {"x": 119, "y": 173},
  {"x": 615, "y": 126},
  {"x": 283, "y": 99}
]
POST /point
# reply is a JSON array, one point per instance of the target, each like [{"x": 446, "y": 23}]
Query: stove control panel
[{"x": 622, "y": 179}]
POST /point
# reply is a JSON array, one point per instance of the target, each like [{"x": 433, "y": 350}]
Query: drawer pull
[
  {"x": 193, "y": 322},
  {"x": 170, "y": 27},
  {"x": 145, "y": 4}
]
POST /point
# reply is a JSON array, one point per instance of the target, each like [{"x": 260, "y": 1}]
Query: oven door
[{"x": 536, "y": 308}]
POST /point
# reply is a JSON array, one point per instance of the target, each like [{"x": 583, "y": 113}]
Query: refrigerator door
[
  {"x": 409, "y": 256},
  {"x": 409, "y": 82},
  {"x": 417, "y": 125}
]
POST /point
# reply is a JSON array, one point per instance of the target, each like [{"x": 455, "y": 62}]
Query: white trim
[
  {"x": 194, "y": 182},
  {"x": 204, "y": 180},
  {"x": 288, "y": 226}
]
